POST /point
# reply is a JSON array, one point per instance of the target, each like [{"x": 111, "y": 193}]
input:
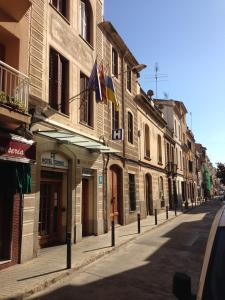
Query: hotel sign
[
  {"x": 16, "y": 148},
  {"x": 54, "y": 160}
]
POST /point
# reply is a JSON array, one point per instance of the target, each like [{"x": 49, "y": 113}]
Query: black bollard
[
  {"x": 167, "y": 215},
  {"x": 139, "y": 223},
  {"x": 192, "y": 205},
  {"x": 68, "y": 244},
  {"x": 113, "y": 233},
  {"x": 156, "y": 216},
  {"x": 175, "y": 210}
]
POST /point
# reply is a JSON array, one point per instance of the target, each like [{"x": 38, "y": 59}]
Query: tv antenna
[{"x": 158, "y": 77}]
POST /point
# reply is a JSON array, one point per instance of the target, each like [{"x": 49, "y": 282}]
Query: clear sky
[{"x": 187, "y": 40}]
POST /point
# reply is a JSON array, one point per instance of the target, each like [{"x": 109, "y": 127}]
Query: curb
[{"x": 89, "y": 261}]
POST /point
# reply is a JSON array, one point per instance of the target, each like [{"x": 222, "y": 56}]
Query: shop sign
[
  {"x": 16, "y": 148},
  {"x": 54, "y": 160},
  {"x": 87, "y": 172},
  {"x": 100, "y": 180}
]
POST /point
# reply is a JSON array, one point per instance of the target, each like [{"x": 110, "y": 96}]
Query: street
[{"x": 144, "y": 268}]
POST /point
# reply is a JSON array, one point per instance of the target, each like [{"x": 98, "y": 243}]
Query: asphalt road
[{"x": 144, "y": 268}]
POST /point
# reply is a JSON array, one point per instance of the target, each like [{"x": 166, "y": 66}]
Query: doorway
[
  {"x": 50, "y": 213},
  {"x": 115, "y": 184},
  {"x": 148, "y": 194}
]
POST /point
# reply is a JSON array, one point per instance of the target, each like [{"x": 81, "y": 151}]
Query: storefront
[{"x": 16, "y": 155}]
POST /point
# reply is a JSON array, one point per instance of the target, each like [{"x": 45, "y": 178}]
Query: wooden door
[
  {"x": 85, "y": 207},
  {"x": 115, "y": 203},
  {"x": 50, "y": 212}
]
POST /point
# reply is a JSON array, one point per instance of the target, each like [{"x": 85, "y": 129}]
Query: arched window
[
  {"x": 130, "y": 128},
  {"x": 147, "y": 141},
  {"x": 159, "y": 149},
  {"x": 86, "y": 21}
]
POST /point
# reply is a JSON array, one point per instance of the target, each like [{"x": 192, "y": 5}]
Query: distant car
[{"x": 212, "y": 279}]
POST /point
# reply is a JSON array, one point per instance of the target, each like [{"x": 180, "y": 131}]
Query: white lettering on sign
[
  {"x": 117, "y": 134},
  {"x": 54, "y": 161},
  {"x": 15, "y": 151}
]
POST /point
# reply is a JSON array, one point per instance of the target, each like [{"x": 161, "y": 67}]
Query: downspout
[
  {"x": 105, "y": 191},
  {"x": 123, "y": 109}
]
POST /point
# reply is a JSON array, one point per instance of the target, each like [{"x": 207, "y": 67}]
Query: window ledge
[
  {"x": 58, "y": 12},
  {"x": 86, "y": 125},
  {"x": 132, "y": 211},
  {"x": 147, "y": 158},
  {"x": 160, "y": 163},
  {"x": 86, "y": 42},
  {"x": 58, "y": 112}
]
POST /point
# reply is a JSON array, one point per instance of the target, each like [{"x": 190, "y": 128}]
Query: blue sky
[{"x": 187, "y": 40}]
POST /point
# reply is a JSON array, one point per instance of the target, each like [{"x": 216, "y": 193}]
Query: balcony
[
  {"x": 14, "y": 89},
  {"x": 13, "y": 10},
  {"x": 171, "y": 169}
]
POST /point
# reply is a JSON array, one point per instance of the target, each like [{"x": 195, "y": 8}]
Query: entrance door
[
  {"x": 85, "y": 206},
  {"x": 115, "y": 195},
  {"x": 50, "y": 212},
  {"x": 148, "y": 194}
]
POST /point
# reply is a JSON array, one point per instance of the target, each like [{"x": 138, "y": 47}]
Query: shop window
[
  {"x": 129, "y": 75},
  {"x": 86, "y": 21},
  {"x": 58, "y": 82},
  {"x": 132, "y": 192},
  {"x": 114, "y": 63},
  {"x": 115, "y": 117},
  {"x": 159, "y": 149},
  {"x": 130, "y": 128},
  {"x": 147, "y": 142},
  {"x": 86, "y": 102},
  {"x": 61, "y": 6}
]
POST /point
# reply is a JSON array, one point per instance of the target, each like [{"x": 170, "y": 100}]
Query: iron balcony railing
[{"x": 14, "y": 88}]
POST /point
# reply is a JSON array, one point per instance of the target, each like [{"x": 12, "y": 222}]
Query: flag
[
  {"x": 94, "y": 83},
  {"x": 110, "y": 92},
  {"x": 102, "y": 82}
]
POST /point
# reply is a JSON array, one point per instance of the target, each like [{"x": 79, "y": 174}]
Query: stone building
[
  {"x": 174, "y": 112},
  {"x": 152, "y": 158},
  {"x": 17, "y": 148},
  {"x": 122, "y": 199}
]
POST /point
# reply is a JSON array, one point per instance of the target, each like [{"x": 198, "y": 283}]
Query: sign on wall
[
  {"x": 117, "y": 134},
  {"x": 54, "y": 160}
]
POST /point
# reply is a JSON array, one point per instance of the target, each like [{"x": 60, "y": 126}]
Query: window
[
  {"x": 147, "y": 142},
  {"x": 181, "y": 160},
  {"x": 175, "y": 127},
  {"x": 159, "y": 149},
  {"x": 190, "y": 165},
  {"x": 161, "y": 192},
  {"x": 85, "y": 20},
  {"x": 177, "y": 161},
  {"x": 58, "y": 82},
  {"x": 132, "y": 192},
  {"x": 130, "y": 128},
  {"x": 114, "y": 63},
  {"x": 129, "y": 78},
  {"x": 61, "y": 6},
  {"x": 167, "y": 152},
  {"x": 179, "y": 129},
  {"x": 86, "y": 102},
  {"x": 189, "y": 144},
  {"x": 115, "y": 117}
]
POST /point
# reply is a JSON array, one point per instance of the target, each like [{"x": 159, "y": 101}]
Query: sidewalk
[{"x": 20, "y": 281}]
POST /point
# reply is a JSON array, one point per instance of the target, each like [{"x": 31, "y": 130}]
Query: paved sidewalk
[{"x": 20, "y": 281}]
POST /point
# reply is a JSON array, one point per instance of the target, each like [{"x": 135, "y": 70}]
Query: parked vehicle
[{"x": 212, "y": 279}]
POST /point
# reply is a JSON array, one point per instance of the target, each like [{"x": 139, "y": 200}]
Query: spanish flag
[{"x": 110, "y": 92}]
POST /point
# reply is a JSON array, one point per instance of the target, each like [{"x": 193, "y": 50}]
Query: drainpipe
[
  {"x": 105, "y": 157},
  {"x": 123, "y": 107}
]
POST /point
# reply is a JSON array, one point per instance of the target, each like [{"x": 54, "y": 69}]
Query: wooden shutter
[{"x": 53, "y": 79}]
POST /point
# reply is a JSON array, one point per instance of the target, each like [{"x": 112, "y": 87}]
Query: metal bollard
[
  {"x": 68, "y": 244},
  {"x": 167, "y": 213},
  {"x": 139, "y": 222},
  {"x": 156, "y": 216},
  {"x": 192, "y": 205},
  {"x": 175, "y": 210},
  {"x": 113, "y": 233}
]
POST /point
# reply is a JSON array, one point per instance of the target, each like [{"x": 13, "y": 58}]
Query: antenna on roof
[{"x": 158, "y": 76}]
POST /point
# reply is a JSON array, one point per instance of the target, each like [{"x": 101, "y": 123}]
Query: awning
[
  {"x": 76, "y": 139},
  {"x": 16, "y": 148}
]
